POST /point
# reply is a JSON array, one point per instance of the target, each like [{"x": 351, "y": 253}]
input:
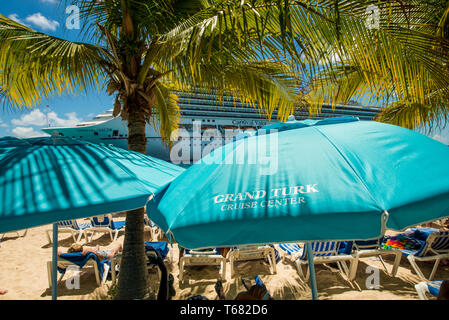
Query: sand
[{"x": 23, "y": 272}]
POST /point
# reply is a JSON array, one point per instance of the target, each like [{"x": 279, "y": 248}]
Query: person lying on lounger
[
  {"x": 3, "y": 291},
  {"x": 102, "y": 254}
]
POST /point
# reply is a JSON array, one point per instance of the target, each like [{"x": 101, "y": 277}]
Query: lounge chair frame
[
  {"x": 436, "y": 244},
  {"x": 16, "y": 232},
  {"x": 423, "y": 291},
  {"x": 68, "y": 226},
  {"x": 107, "y": 228},
  {"x": 65, "y": 263},
  {"x": 118, "y": 259},
  {"x": 202, "y": 258},
  {"x": 376, "y": 250},
  {"x": 325, "y": 256},
  {"x": 252, "y": 252},
  {"x": 149, "y": 226}
]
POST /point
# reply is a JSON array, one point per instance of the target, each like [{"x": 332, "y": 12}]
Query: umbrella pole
[
  {"x": 312, "y": 271},
  {"x": 54, "y": 274}
]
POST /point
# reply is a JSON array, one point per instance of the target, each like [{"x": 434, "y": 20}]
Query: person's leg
[
  {"x": 3, "y": 291},
  {"x": 115, "y": 251}
]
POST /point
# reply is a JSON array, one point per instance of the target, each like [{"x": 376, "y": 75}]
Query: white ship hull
[{"x": 198, "y": 111}]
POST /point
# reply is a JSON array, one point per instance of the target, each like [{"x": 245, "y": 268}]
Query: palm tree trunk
[{"x": 132, "y": 283}]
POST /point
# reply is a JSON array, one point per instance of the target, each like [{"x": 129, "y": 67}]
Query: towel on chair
[
  {"x": 403, "y": 242},
  {"x": 80, "y": 260}
]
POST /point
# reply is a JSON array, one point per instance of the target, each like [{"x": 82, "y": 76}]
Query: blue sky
[{"x": 49, "y": 16}]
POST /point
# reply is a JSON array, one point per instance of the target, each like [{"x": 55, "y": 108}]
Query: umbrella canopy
[
  {"x": 324, "y": 180},
  {"x": 294, "y": 124},
  {"x": 44, "y": 180}
]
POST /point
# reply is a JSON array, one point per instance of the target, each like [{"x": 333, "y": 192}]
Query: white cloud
[
  {"x": 50, "y": 1},
  {"x": 15, "y": 17},
  {"x": 42, "y": 22},
  {"x": 440, "y": 138},
  {"x": 37, "y": 118},
  {"x": 2, "y": 124},
  {"x": 27, "y": 132}
]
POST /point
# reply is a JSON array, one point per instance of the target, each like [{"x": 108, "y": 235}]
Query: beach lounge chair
[
  {"x": 148, "y": 226},
  {"x": 101, "y": 268},
  {"x": 16, "y": 232},
  {"x": 323, "y": 252},
  {"x": 150, "y": 246},
  {"x": 374, "y": 248},
  {"x": 253, "y": 252},
  {"x": 208, "y": 257},
  {"x": 105, "y": 224},
  {"x": 435, "y": 247},
  {"x": 428, "y": 287},
  {"x": 70, "y": 226}
]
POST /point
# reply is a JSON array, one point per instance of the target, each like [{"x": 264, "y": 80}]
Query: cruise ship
[{"x": 199, "y": 114}]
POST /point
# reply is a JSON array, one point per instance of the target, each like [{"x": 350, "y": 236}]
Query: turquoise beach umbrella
[
  {"x": 45, "y": 180},
  {"x": 334, "y": 179}
]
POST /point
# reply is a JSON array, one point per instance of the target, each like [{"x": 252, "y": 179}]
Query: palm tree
[
  {"x": 402, "y": 65},
  {"x": 142, "y": 51}
]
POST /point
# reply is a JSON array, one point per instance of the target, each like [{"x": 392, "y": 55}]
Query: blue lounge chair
[
  {"x": 150, "y": 246},
  {"x": 101, "y": 268},
  {"x": 160, "y": 246},
  {"x": 435, "y": 247},
  {"x": 105, "y": 224},
  {"x": 428, "y": 287},
  {"x": 70, "y": 226},
  {"x": 323, "y": 252}
]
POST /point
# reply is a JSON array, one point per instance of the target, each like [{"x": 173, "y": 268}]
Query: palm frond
[
  {"x": 166, "y": 113},
  {"x": 34, "y": 65}
]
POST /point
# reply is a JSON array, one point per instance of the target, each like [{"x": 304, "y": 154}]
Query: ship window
[
  {"x": 121, "y": 135},
  {"x": 95, "y": 133},
  {"x": 115, "y": 133}
]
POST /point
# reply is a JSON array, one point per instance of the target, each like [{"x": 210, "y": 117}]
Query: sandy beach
[{"x": 23, "y": 272}]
